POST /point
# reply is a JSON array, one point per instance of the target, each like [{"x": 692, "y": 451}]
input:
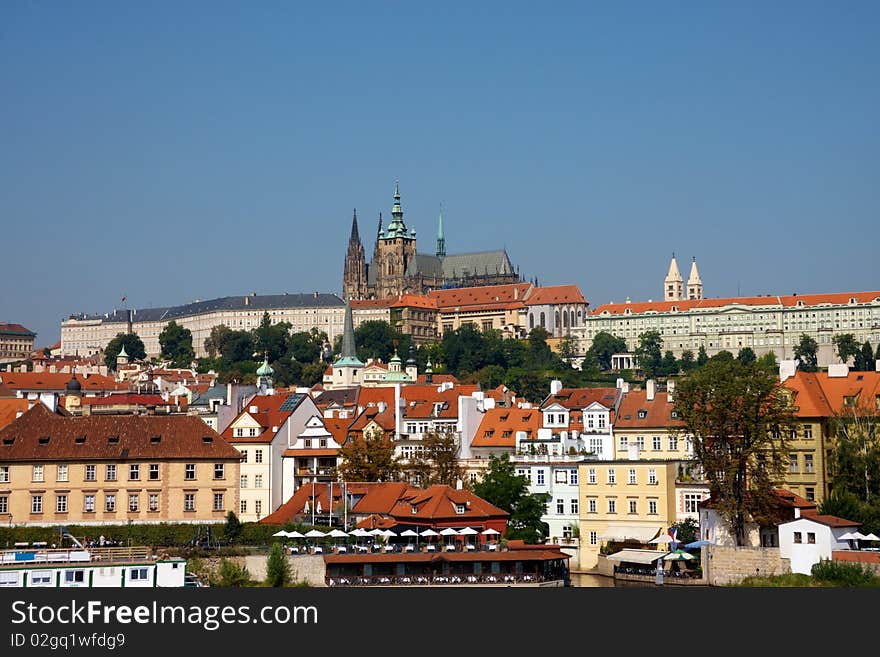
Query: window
[
  {"x": 652, "y": 477},
  {"x": 258, "y": 481},
  {"x": 4, "y": 504},
  {"x": 573, "y": 477},
  {"x": 623, "y": 443},
  {"x": 797, "y": 537},
  {"x": 811, "y": 494},
  {"x": 611, "y": 476},
  {"x": 154, "y": 471},
  {"x": 540, "y": 474},
  {"x": 307, "y": 443},
  {"x": 566, "y": 532},
  {"x": 793, "y": 463},
  {"x": 560, "y": 506},
  {"x": 40, "y": 578},
  {"x": 153, "y": 502},
  {"x": 134, "y": 472},
  {"x": 594, "y": 538},
  {"x": 673, "y": 443},
  {"x": 612, "y": 506},
  {"x": 38, "y": 473},
  {"x": 560, "y": 476},
  {"x": 632, "y": 476},
  {"x": 189, "y": 471},
  {"x": 633, "y": 506},
  {"x": 473, "y": 477},
  {"x": 601, "y": 420},
  {"x": 656, "y": 443},
  {"x": 322, "y": 443},
  {"x": 218, "y": 501},
  {"x": 591, "y": 505},
  {"x": 110, "y": 502},
  {"x": 218, "y": 471},
  {"x": 36, "y": 503},
  {"x": 189, "y": 502},
  {"x": 75, "y": 576},
  {"x": 89, "y": 503},
  {"x": 811, "y": 538},
  {"x": 574, "y": 506},
  {"x": 243, "y": 507},
  {"x": 640, "y": 443},
  {"x": 244, "y": 455},
  {"x": 808, "y": 463},
  {"x": 258, "y": 508},
  {"x": 691, "y": 500},
  {"x": 4, "y": 474},
  {"x": 652, "y": 507},
  {"x": 258, "y": 456},
  {"x": 138, "y": 574},
  {"x": 62, "y": 472},
  {"x": 808, "y": 432},
  {"x": 134, "y": 502},
  {"x": 591, "y": 476},
  {"x": 243, "y": 483},
  {"x": 110, "y": 473},
  {"x": 61, "y": 504}
]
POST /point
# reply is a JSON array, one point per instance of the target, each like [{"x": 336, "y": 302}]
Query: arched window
[
  {"x": 531, "y": 320},
  {"x": 556, "y": 323},
  {"x": 565, "y": 319},
  {"x": 572, "y": 318},
  {"x": 543, "y": 324}
]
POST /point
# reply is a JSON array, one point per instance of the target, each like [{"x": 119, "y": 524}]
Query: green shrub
[
  {"x": 843, "y": 573},
  {"x": 232, "y": 574},
  {"x": 277, "y": 567}
]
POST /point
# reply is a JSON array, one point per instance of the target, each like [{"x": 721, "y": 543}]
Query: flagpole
[{"x": 313, "y": 501}]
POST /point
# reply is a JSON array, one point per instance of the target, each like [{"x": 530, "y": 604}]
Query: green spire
[
  {"x": 396, "y": 228},
  {"x": 265, "y": 369},
  {"x": 441, "y": 242},
  {"x": 348, "y": 354}
]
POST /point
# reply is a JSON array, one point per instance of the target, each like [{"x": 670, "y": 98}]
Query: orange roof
[
  {"x": 837, "y": 298},
  {"x": 437, "y": 379},
  {"x": 414, "y": 301},
  {"x": 370, "y": 303},
  {"x": 368, "y": 396},
  {"x": 295, "y": 506},
  {"x": 555, "y": 294},
  {"x": 809, "y": 398},
  {"x": 338, "y": 427},
  {"x": 658, "y": 412},
  {"x": 580, "y": 398},
  {"x": 17, "y": 329},
  {"x": 57, "y": 381},
  {"x": 267, "y": 415},
  {"x": 436, "y": 503},
  {"x": 6, "y": 393},
  {"x": 862, "y": 386},
  {"x": 499, "y": 426},
  {"x": 310, "y": 452},
  {"x": 829, "y": 521},
  {"x": 486, "y": 297},
  {"x": 384, "y": 419},
  {"x": 9, "y": 409}
]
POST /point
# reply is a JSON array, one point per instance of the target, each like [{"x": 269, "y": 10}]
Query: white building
[{"x": 810, "y": 538}]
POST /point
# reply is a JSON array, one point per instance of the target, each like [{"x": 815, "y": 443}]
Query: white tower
[
  {"x": 673, "y": 289},
  {"x": 695, "y": 285}
]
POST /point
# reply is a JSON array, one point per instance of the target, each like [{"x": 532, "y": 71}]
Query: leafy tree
[
  {"x": 806, "y": 352},
  {"x": 312, "y": 373},
  {"x": 740, "y": 418},
  {"x": 375, "y": 338},
  {"x": 769, "y": 362},
  {"x": 491, "y": 376},
  {"x": 841, "y": 503},
  {"x": 304, "y": 347},
  {"x": 722, "y": 355},
  {"x": 438, "y": 462},
  {"x": 237, "y": 346},
  {"x": 271, "y": 339},
  {"x": 176, "y": 344},
  {"x": 369, "y": 457},
  {"x": 568, "y": 349},
  {"x": 855, "y": 448},
  {"x": 134, "y": 347},
  {"x": 278, "y": 571},
  {"x": 606, "y": 345},
  {"x": 539, "y": 355},
  {"x": 231, "y": 574},
  {"x": 216, "y": 339},
  {"x": 864, "y": 361},
  {"x": 687, "y": 363},
  {"x": 648, "y": 353},
  {"x": 846, "y": 346},
  {"x": 502, "y": 487},
  {"x": 463, "y": 349},
  {"x": 233, "y": 527},
  {"x": 687, "y": 530},
  {"x": 702, "y": 356},
  {"x": 669, "y": 365},
  {"x": 530, "y": 385},
  {"x": 746, "y": 355}
]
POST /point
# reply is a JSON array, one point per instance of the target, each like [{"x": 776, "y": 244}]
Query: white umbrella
[
  {"x": 871, "y": 537},
  {"x": 314, "y": 533},
  {"x": 359, "y": 532},
  {"x": 376, "y": 532},
  {"x": 678, "y": 555},
  {"x": 468, "y": 531},
  {"x": 449, "y": 531},
  {"x": 388, "y": 533},
  {"x": 490, "y": 532},
  {"x": 281, "y": 533},
  {"x": 429, "y": 532},
  {"x": 408, "y": 532},
  {"x": 661, "y": 539},
  {"x": 848, "y": 536},
  {"x": 337, "y": 533},
  {"x": 294, "y": 534}
]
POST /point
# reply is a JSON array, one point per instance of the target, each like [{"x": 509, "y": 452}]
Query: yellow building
[
  {"x": 647, "y": 420},
  {"x": 624, "y": 502},
  {"x": 57, "y": 470}
]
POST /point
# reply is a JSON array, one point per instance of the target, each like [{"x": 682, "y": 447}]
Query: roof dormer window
[{"x": 643, "y": 414}]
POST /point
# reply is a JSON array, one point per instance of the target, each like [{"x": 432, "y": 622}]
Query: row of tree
[{"x": 175, "y": 342}]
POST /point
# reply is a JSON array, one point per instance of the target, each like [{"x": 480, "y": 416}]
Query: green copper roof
[
  {"x": 348, "y": 353},
  {"x": 122, "y": 353},
  {"x": 401, "y": 377},
  {"x": 265, "y": 369},
  {"x": 396, "y": 228}
]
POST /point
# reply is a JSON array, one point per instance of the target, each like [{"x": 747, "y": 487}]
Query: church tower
[
  {"x": 395, "y": 250},
  {"x": 441, "y": 241},
  {"x": 674, "y": 285},
  {"x": 354, "y": 276},
  {"x": 695, "y": 285}
]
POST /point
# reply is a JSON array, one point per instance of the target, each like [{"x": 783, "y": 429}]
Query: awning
[
  {"x": 639, "y": 533},
  {"x": 638, "y": 556}
]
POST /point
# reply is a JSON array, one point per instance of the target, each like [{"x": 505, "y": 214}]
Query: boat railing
[{"x": 75, "y": 555}]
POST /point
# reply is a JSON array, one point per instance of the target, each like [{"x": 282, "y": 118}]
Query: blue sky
[{"x": 172, "y": 151}]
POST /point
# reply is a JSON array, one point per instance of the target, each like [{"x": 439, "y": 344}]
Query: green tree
[
  {"x": 216, "y": 339},
  {"x": 740, "y": 418},
  {"x": 304, "y": 347},
  {"x": 687, "y": 363},
  {"x": 846, "y": 346},
  {"x": 375, "y": 339},
  {"x": 176, "y": 344},
  {"x": 702, "y": 356},
  {"x": 648, "y": 353},
  {"x": 568, "y": 349},
  {"x": 528, "y": 384},
  {"x": 539, "y": 354},
  {"x": 687, "y": 530},
  {"x": 236, "y": 346},
  {"x": 806, "y": 351},
  {"x": 278, "y": 571},
  {"x": 438, "y": 462},
  {"x": 232, "y": 574},
  {"x": 271, "y": 339},
  {"x": 855, "y": 448},
  {"x": 606, "y": 345},
  {"x": 134, "y": 347},
  {"x": 233, "y": 527},
  {"x": 864, "y": 361},
  {"x": 841, "y": 503},
  {"x": 746, "y": 355},
  {"x": 502, "y": 487},
  {"x": 369, "y": 457},
  {"x": 769, "y": 362},
  {"x": 669, "y": 365}
]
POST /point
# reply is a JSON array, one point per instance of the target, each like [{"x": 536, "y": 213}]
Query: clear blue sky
[{"x": 171, "y": 151}]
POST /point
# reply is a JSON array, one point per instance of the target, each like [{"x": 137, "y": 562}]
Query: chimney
[
  {"x": 555, "y": 386},
  {"x": 619, "y": 384},
  {"x": 458, "y": 484},
  {"x": 838, "y": 371},
  {"x": 670, "y": 391},
  {"x": 787, "y": 369},
  {"x": 515, "y": 293},
  {"x": 651, "y": 388},
  {"x": 247, "y": 301}
]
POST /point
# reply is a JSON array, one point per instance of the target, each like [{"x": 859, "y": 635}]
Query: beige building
[
  {"x": 763, "y": 323},
  {"x": 498, "y": 307},
  {"x": 16, "y": 342},
  {"x": 112, "y": 469}
]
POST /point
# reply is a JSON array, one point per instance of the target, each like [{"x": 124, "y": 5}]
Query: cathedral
[{"x": 397, "y": 268}]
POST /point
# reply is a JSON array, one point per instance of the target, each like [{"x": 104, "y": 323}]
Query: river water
[{"x": 590, "y": 580}]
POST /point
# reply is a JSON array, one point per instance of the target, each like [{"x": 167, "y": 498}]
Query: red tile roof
[
  {"x": 486, "y": 297},
  {"x": 40, "y": 435},
  {"x": 580, "y": 398},
  {"x": 267, "y": 415},
  {"x": 338, "y": 427},
  {"x": 658, "y": 411},
  {"x": 414, "y": 301},
  {"x": 555, "y": 294},
  {"x": 57, "y": 381},
  {"x": 427, "y": 506},
  {"x": 15, "y": 329},
  {"x": 295, "y": 506},
  {"x": 310, "y": 452},
  {"x": 499, "y": 426},
  {"x": 830, "y": 521},
  {"x": 9, "y": 409},
  {"x": 357, "y": 304},
  {"x": 862, "y": 386},
  {"x": 437, "y": 379},
  {"x": 5, "y": 392},
  {"x": 809, "y": 398}
]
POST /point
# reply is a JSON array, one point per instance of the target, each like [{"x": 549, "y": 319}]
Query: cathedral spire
[
  {"x": 379, "y": 234},
  {"x": 673, "y": 289},
  {"x": 694, "y": 284},
  {"x": 441, "y": 241},
  {"x": 355, "y": 237},
  {"x": 348, "y": 353},
  {"x": 397, "y": 228}
]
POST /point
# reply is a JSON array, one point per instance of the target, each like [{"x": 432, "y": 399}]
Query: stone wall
[
  {"x": 730, "y": 565},
  {"x": 304, "y": 568}
]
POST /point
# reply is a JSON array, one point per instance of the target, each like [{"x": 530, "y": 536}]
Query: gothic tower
[
  {"x": 673, "y": 289},
  {"x": 395, "y": 250},
  {"x": 695, "y": 285},
  {"x": 354, "y": 277},
  {"x": 441, "y": 241}
]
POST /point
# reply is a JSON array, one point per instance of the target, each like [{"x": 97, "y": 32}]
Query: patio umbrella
[
  {"x": 294, "y": 534},
  {"x": 468, "y": 531},
  {"x": 678, "y": 555},
  {"x": 490, "y": 532},
  {"x": 281, "y": 533},
  {"x": 388, "y": 533},
  {"x": 661, "y": 539},
  {"x": 449, "y": 531},
  {"x": 314, "y": 533},
  {"x": 376, "y": 532},
  {"x": 698, "y": 544},
  {"x": 409, "y": 533},
  {"x": 429, "y": 532},
  {"x": 871, "y": 537}
]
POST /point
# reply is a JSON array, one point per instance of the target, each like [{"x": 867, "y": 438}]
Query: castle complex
[{"x": 397, "y": 268}]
